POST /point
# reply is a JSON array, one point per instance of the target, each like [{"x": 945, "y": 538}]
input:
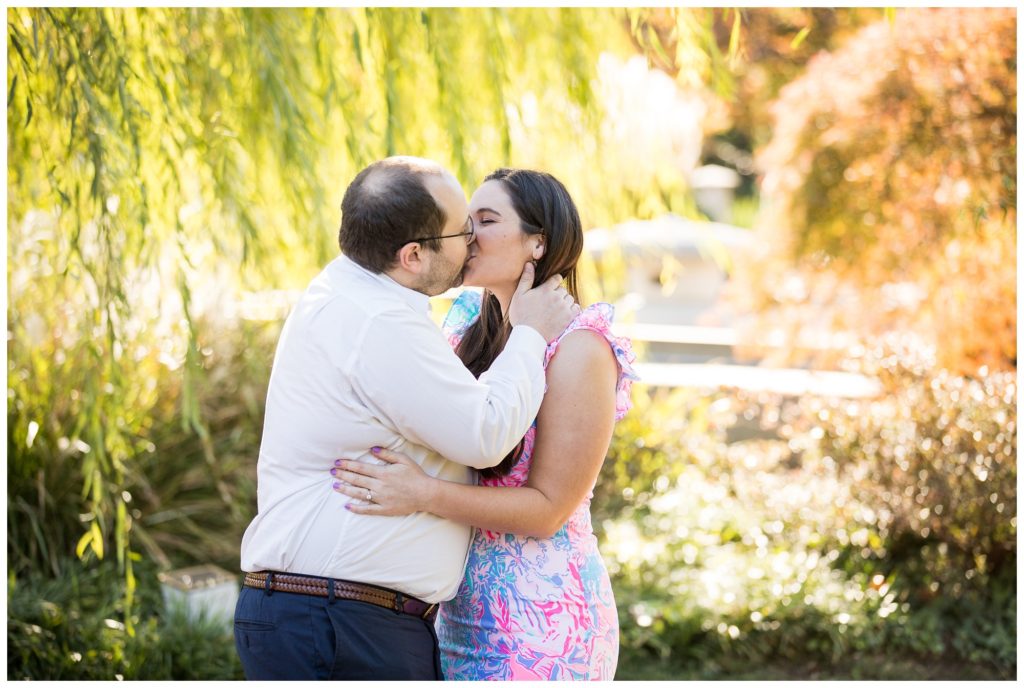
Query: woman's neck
[{"x": 504, "y": 296}]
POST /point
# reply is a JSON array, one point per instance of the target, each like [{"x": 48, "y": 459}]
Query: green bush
[
  {"x": 196, "y": 495},
  {"x": 186, "y": 493},
  {"x": 746, "y": 528},
  {"x": 71, "y": 628},
  {"x": 936, "y": 457}
]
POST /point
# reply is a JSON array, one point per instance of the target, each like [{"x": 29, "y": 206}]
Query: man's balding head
[{"x": 386, "y": 205}]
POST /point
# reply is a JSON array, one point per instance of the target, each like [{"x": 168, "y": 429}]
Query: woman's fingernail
[
  {"x": 334, "y": 471},
  {"x": 337, "y": 485},
  {"x": 338, "y": 462},
  {"x": 348, "y": 507},
  {"x": 376, "y": 450}
]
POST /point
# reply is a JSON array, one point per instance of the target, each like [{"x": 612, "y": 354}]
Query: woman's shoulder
[
  {"x": 597, "y": 318},
  {"x": 582, "y": 349}
]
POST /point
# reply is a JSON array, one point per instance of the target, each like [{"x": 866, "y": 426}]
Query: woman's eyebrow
[{"x": 488, "y": 210}]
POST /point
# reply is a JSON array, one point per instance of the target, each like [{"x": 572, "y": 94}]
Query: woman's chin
[{"x": 474, "y": 278}]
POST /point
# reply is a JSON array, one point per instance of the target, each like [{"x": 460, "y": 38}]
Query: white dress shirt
[{"x": 361, "y": 364}]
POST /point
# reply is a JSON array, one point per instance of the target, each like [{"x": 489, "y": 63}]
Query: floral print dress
[{"x": 535, "y": 608}]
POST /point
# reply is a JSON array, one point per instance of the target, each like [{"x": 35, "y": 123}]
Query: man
[{"x": 329, "y": 594}]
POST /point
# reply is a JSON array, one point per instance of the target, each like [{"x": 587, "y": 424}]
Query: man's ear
[{"x": 410, "y": 257}]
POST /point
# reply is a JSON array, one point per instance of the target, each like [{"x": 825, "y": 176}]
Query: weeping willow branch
[{"x": 160, "y": 159}]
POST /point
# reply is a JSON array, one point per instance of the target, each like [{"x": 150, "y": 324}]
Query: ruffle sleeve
[
  {"x": 598, "y": 317},
  {"x": 464, "y": 310}
]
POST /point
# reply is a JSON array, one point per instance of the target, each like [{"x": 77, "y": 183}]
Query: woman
[{"x": 535, "y": 602}]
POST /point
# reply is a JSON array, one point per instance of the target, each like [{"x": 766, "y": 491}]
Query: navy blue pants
[{"x": 287, "y": 636}]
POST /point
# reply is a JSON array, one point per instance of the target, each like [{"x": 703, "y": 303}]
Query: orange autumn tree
[{"x": 890, "y": 187}]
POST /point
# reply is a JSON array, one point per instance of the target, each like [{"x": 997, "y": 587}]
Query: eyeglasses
[{"x": 468, "y": 235}]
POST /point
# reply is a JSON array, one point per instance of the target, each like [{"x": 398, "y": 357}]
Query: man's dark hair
[{"x": 385, "y": 206}]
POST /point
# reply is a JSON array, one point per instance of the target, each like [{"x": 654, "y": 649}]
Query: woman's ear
[{"x": 538, "y": 250}]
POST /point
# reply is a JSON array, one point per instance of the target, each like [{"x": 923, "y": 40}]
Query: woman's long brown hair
[{"x": 544, "y": 207}]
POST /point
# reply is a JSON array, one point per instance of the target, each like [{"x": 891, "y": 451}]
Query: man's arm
[
  {"x": 405, "y": 370},
  {"x": 574, "y": 429},
  {"x": 408, "y": 371}
]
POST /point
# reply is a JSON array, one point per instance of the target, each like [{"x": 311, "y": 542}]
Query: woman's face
[{"x": 501, "y": 248}]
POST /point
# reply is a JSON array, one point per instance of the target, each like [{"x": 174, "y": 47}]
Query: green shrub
[
  {"x": 196, "y": 495},
  {"x": 71, "y": 628},
  {"x": 744, "y": 528},
  {"x": 936, "y": 457},
  {"x": 186, "y": 494}
]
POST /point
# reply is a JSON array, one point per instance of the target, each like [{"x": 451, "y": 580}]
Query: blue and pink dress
[{"x": 535, "y": 608}]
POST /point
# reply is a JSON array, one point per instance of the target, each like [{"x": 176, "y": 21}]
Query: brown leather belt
[{"x": 343, "y": 589}]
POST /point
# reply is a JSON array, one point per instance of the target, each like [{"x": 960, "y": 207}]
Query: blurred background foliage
[
  {"x": 867, "y": 539},
  {"x": 894, "y": 197},
  {"x": 173, "y": 174}
]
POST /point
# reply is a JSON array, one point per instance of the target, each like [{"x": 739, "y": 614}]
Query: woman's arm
[{"x": 574, "y": 429}]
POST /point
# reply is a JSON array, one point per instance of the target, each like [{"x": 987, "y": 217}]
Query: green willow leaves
[{"x": 161, "y": 162}]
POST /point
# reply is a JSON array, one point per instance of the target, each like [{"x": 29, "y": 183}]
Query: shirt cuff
[{"x": 527, "y": 338}]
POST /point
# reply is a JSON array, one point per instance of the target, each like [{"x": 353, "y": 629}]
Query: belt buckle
[{"x": 429, "y": 610}]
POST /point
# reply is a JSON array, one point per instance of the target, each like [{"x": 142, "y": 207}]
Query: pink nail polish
[
  {"x": 376, "y": 450},
  {"x": 338, "y": 462},
  {"x": 348, "y": 507},
  {"x": 334, "y": 471},
  {"x": 337, "y": 485}
]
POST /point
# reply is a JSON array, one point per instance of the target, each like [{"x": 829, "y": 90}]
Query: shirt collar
[{"x": 419, "y": 301}]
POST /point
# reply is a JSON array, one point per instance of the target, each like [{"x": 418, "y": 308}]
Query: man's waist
[
  {"x": 332, "y": 588},
  {"x": 424, "y": 563}
]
